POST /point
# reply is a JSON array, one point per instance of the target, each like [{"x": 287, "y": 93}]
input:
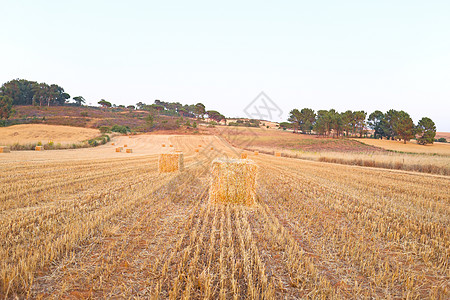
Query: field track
[{"x": 96, "y": 223}]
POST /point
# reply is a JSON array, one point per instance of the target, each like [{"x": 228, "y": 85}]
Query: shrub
[
  {"x": 442, "y": 140},
  {"x": 104, "y": 129},
  {"x": 120, "y": 128}
]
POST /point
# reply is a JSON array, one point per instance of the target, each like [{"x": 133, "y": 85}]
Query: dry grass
[
  {"x": 34, "y": 133},
  {"x": 94, "y": 224},
  {"x": 233, "y": 181},
  {"x": 170, "y": 162},
  {"x": 436, "y": 148}
]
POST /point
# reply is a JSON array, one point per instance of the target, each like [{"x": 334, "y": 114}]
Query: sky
[{"x": 357, "y": 55}]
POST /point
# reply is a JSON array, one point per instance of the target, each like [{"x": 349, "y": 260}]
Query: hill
[{"x": 436, "y": 148}]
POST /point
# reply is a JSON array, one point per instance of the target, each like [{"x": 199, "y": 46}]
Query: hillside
[{"x": 436, "y": 148}]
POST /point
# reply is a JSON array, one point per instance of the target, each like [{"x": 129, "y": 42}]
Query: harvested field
[
  {"x": 436, "y": 148},
  {"x": 93, "y": 223},
  {"x": 34, "y": 133}
]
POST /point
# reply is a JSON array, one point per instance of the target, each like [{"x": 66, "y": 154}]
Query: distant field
[
  {"x": 33, "y": 133},
  {"x": 245, "y": 137},
  {"x": 445, "y": 135},
  {"x": 438, "y": 148}
]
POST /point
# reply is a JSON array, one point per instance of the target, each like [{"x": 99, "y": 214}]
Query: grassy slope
[{"x": 436, "y": 148}]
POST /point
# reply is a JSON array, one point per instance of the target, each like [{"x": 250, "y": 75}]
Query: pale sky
[{"x": 357, "y": 55}]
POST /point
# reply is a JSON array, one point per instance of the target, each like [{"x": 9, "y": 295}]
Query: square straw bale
[
  {"x": 170, "y": 145},
  {"x": 244, "y": 155},
  {"x": 112, "y": 144},
  {"x": 119, "y": 149},
  {"x": 129, "y": 150},
  {"x": 199, "y": 145},
  {"x": 4, "y": 149},
  {"x": 278, "y": 154},
  {"x": 233, "y": 181},
  {"x": 256, "y": 152},
  {"x": 196, "y": 150},
  {"x": 39, "y": 148},
  {"x": 125, "y": 145},
  {"x": 171, "y": 162},
  {"x": 163, "y": 145}
]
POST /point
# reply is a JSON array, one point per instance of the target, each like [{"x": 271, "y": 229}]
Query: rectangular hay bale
[
  {"x": 5, "y": 149},
  {"x": 278, "y": 154},
  {"x": 171, "y": 162},
  {"x": 163, "y": 145},
  {"x": 129, "y": 150},
  {"x": 233, "y": 181},
  {"x": 244, "y": 155},
  {"x": 112, "y": 144},
  {"x": 256, "y": 153},
  {"x": 119, "y": 149},
  {"x": 39, "y": 148}
]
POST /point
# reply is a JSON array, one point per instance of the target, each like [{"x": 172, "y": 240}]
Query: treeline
[
  {"x": 391, "y": 125},
  {"x": 25, "y": 92}
]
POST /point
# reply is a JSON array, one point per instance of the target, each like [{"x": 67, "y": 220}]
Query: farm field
[
  {"x": 34, "y": 133},
  {"x": 94, "y": 223},
  {"x": 436, "y": 148}
]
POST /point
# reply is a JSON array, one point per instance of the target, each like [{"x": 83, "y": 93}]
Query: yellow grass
[
  {"x": 4, "y": 149},
  {"x": 233, "y": 181},
  {"x": 34, "y": 133},
  {"x": 170, "y": 162},
  {"x": 438, "y": 148}
]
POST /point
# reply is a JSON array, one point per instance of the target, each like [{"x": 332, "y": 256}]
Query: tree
[
  {"x": 323, "y": 122},
  {"x": 387, "y": 124},
  {"x": 104, "y": 103},
  {"x": 308, "y": 119},
  {"x": 5, "y": 106},
  {"x": 131, "y": 107},
  {"x": 41, "y": 93},
  {"x": 140, "y": 105},
  {"x": 79, "y": 100},
  {"x": 403, "y": 126},
  {"x": 347, "y": 121},
  {"x": 427, "y": 129},
  {"x": 200, "y": 110},
  {"x": 360, "y": 121},
  {"x": 215, "y": 115},
  {"x": 375, "y": 123},
  {"x": 295, "y": 117}
]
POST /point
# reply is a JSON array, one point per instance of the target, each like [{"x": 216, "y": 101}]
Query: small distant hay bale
[
  {"x": 112, "y": 144},
  {"x": 163, "y": 145},
  {"x": 212, "y": 148},
  {"x": 170, "y": 145},
  {"x": 171, "y": 162},
  {"x": 244, "y": 155},
  {"x": 129, "y": 150},
  {"x": 5, "y": 149},
  {"x": 197, "y": 150},
  {"x": 129, "y": 136},
  {"x": 119, "y": 149},
  {"x": 278, "y": 154},
  {"x": 199, "y": 145},
  {"x": 256, "y": 153},
  {"x": 39, "y": 148},
  {"x": 125, "y": 146},
  {"x": 233, "y": 181}
]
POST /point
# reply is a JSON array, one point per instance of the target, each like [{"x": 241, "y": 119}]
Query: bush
[
  {"x": 104, "y": 129},
  {"x": 120, "y": 128},
  {"x": 84, "y": 113},
  {"x": 442, "y": 140}
]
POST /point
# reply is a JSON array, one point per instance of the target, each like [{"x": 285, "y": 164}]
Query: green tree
[
  {"x": 5, "y": 106},
  {"x": 387, "y": 124},
  {"x": 79, "y": 100},
  {"x": 323, "y": 122},
  {"x": 347, "y": 121},
  {"x": 200, "y": 110},
  {"x": 308, "y": 117},
  {"x": 360, "y": 121},
  {"x": 403, "y": 126},
  {"x": 295, "y": 118},
  {"x": 427, "y": 129},
  {"x": 215, "y": 115},
  {"x": 375, "y": 123},
  {"x": 104, "y": 103}
]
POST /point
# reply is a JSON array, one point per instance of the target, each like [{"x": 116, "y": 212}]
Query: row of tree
[
  {"x": 392, "y": 125},
  {"x": 25, "y": 92}
]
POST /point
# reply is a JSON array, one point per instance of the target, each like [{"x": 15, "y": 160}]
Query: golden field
[
  {"x": 94, "y": 223},
  {"x": 34, "y": 133},
  {"x": 436, "y": 148}
]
